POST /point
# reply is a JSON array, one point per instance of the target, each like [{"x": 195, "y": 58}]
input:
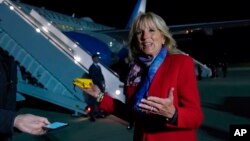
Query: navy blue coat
[{"x": 96, "y": 75}]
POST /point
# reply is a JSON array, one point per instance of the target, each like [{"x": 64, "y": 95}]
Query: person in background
[
  {"x": 224, "y": 67},
  {"x": 199, "y": 70},
  {"x": 10, "y": 120},
  {"x": 95, "y": 73},
  {"x": 163, "y": 88}
]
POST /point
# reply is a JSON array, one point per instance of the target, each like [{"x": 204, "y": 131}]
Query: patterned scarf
[{"x": 142, "y": 92}]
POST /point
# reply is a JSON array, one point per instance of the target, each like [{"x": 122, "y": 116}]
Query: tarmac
[{"x": 225, "y": 101}]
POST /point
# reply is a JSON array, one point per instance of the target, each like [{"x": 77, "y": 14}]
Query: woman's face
[{"x": 150, "y": 39}]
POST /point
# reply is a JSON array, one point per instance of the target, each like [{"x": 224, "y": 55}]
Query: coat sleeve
[
  {"x": 115, "y": 107},
  {"x": 6, "y": 121},
  {"x": 189, "y": 109}
]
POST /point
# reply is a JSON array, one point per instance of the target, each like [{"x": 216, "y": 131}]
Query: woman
[{"x": 161, "y": 85}]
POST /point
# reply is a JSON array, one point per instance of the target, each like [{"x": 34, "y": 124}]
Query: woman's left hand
[{"x": 160, "y": 106}]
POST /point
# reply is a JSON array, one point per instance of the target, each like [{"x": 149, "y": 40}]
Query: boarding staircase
[{"x": 49, "y": 56}]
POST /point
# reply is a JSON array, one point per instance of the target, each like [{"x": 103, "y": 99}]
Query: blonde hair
[{"x": 146, "y": 18}]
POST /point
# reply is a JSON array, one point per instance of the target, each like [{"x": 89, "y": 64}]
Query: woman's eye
[
  {"x": 151, "y": 30},
  {"x": 138, "y": 32}
]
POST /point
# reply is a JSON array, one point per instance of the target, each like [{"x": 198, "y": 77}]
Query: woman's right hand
[{"x": 94, "y": 90}]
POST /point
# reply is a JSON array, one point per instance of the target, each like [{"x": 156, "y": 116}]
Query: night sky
[{"x": 116, "y": 13}]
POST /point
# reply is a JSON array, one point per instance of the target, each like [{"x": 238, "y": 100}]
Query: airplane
[
  {"x": 109, "y": 52},
  {"x": 38, "y": 39}
]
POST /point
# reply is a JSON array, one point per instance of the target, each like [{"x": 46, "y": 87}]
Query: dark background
[
  {"x": 117, "y": 12},
  {"x": 231, "y": 45}
]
